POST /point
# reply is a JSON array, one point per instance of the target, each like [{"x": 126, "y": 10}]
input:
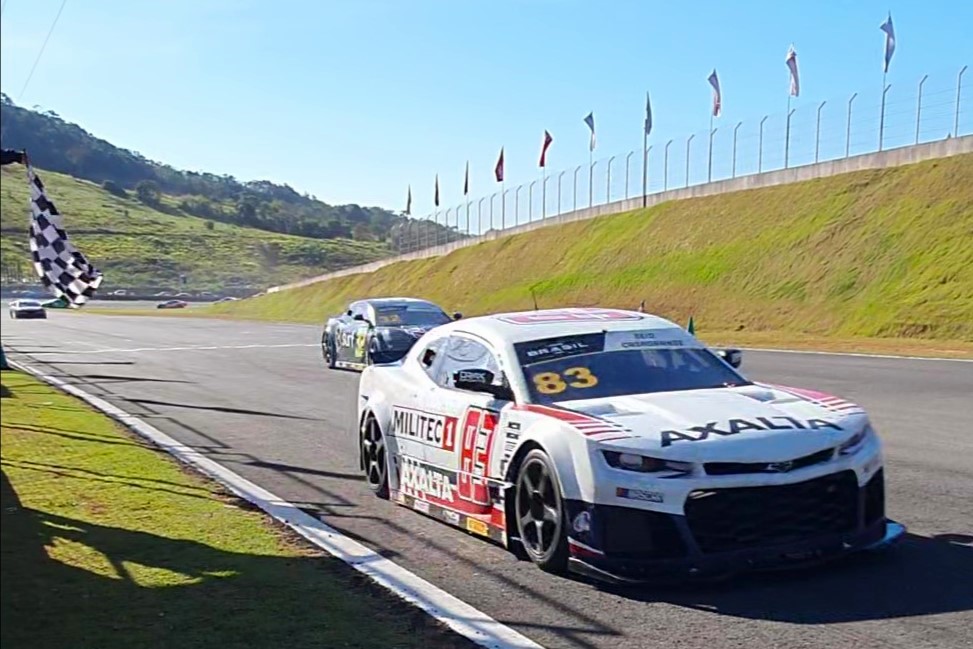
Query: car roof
[
  {"x": 399, "y": 301},
  {"x": 522, "y": 326}
]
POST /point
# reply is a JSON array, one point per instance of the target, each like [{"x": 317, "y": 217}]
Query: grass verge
[
  {"x": 876, "y": 261},
  {"x": 107, "y": 542}
]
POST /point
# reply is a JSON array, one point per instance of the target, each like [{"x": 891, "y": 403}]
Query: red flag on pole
[
  {"x": 437, "y": 190},
  {"x": 466, "y": 180},
  {"x": 547, "y": 143},
  {"x": 498, "y": 171}
]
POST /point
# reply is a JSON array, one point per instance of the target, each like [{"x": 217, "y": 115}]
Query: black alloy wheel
[
  {"x": 540, "y": 513},
  {"x": 375, "y": 457}
]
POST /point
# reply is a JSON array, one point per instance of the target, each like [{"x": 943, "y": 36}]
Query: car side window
[
  {"x": 429, "y": 356},
  {"x": 462, "y": 354}
]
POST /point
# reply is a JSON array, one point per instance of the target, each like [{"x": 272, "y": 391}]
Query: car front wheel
[
  {"x": 375, "y": 458},
  {"x": 327, "y": 348},
  {"x": 540, "y": 513}
]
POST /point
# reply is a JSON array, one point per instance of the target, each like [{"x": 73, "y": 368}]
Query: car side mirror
[
  {"x": 480, "y": 380},
  {"x": 457, "y": 316},
  {"x": 348, "y": 312},
  {"x": 733, "y": 357}
]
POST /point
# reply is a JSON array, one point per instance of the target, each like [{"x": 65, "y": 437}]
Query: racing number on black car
[{"x": 555, "y": 383}]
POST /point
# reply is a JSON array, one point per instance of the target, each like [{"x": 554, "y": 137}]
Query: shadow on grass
[{"x": 147, "y": 590}]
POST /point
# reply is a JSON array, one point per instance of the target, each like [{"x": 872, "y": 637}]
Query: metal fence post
[
  {"x": 760, "y": 146},
  {"x": 689, "y": 142},
  {"x": 479, "y": 216},
  {"x": 881, "y": 121},
  {"x": 919, "y": 105},
  {"x": 628, "y": 160},
  {"x": 848, "y": 126},
  {"x": 591, "y": 183},
  {"x": 817, "y": 132},
  {"x": 575, "y": 190},
  {"x": 559, "y": 176},
  {"x": 517, "y": 205},
  {"x": 665, "y": 168},
  {"x": 959, "y": 88},
  {"x": 735, "y": 129},
  {"x": 709, "y": 165},
  {"x": 608, "y": 189},
  {"x": 530, "y": 201}
]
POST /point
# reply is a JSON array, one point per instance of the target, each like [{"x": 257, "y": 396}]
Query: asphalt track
[{"x": 256, "y": 398}]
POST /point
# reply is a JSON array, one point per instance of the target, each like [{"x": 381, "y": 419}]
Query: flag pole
[
  {"x": 709, "y": 163},
  {"x": 645, "y": 164},
  {"x": 787, "y": 133},
  {"x": 881, "y": 119},
  {"x": 544, "y": 191},
  {"x": 591, "y": 177}
]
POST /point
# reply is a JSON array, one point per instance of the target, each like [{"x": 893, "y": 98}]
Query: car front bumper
[
  {"x": 734, "y": 531},
  {"x": 29, "y": 315}
]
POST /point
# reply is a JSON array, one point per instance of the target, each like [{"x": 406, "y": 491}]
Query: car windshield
[
  {"x": 584, "y": 367},
  {"x": 30, "y": 303},
  {"x": 409, "y": 315}
]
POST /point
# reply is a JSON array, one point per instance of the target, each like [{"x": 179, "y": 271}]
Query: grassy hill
[
  {"x": 884, "y": 253},
  {"x": 134, "y": 244}
]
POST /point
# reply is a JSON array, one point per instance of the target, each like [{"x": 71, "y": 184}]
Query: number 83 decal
[{"x": 556, "y": 383}]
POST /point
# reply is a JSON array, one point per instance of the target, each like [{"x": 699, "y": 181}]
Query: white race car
[
  {"x": 26, "y": 309},
  {"x": 615, "y": 444}
]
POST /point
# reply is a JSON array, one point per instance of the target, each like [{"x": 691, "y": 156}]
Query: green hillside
[
  {"x": 886, "y": 253},
  {"x": 135, "y": 244}
]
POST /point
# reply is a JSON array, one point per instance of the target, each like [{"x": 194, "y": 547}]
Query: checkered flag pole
[{"x": 61, "y": 268}]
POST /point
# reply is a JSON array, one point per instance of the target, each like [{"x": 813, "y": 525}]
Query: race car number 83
[{"x": 556, "y": 383}]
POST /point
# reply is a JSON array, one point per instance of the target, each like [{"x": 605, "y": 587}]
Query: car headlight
[
  {"x": 644, "y": 464},
  {"x": 856, "y": 442}
]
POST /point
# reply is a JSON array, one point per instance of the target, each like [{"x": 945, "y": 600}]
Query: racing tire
[
  {"x": 540, "y": 513},
  {"x": 374, "y": 454},
  {"x": 328, "y": 351}
]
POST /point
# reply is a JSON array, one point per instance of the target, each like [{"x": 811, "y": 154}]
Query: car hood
[{"x": 738, "y": 424}]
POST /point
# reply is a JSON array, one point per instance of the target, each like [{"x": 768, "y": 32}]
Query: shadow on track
[
  {"x": 227, "y": 409},
  {"x": 919, "y": 576}
]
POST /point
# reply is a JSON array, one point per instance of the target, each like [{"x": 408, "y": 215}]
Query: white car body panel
[{"x": 744, "y": 424}]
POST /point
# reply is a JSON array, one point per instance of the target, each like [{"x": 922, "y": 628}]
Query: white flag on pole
[{"x": 792, "y": 66}]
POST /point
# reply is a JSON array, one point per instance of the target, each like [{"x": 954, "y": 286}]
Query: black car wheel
[
  {"x": 327, "y": 349},
  {"x": 540, "y": 513},
  {"x": 375, "y": 458}
]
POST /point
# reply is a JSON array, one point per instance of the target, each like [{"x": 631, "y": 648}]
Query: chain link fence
[{"x": 933, "y": 108}]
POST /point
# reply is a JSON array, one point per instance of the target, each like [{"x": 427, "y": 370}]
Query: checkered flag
[{"x": 62, "y": 269}]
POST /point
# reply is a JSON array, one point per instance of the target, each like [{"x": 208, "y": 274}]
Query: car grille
[
  {"x": 734, "y": 468},
  {"x": 724, "y": 520},
  {"x": 636, "y": 533},
  {"x": 875, "y": 499}
]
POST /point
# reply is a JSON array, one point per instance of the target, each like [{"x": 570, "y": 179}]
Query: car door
[
  {"x": 468, "y": 455},
  {"x": 348, "y": 338}
]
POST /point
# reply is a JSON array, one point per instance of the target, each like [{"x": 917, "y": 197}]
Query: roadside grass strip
[{"x": 108, "y": 542}]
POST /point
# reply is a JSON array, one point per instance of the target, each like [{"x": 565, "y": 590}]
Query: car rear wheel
[
  {"x": 375, "y": 458},
  {"x": 540, "y": 513}
]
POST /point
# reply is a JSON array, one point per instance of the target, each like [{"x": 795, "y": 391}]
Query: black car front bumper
[
  {"x": 729, "y": 531},
  {"x": 30, "y": 315}
]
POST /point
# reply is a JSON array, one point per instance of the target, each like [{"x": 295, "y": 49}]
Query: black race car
[{"x": 380, "y": 330}]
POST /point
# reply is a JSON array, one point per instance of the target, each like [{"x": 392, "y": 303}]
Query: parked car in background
[
  {"x": 19, "y": 309},
  {"x": 172, "y": 304}
]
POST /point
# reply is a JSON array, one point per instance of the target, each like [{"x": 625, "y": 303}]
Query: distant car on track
[
  {"x": 614, "y": 444},
  {"x": 378, "y": 330},
  {"x": 172, "y": 304},
  {"x": 22, "y": 309},
  {"x": 227, "y": 299}
]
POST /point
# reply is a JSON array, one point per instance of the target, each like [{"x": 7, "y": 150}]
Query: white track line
[
  {"x": 856, "y": 354},
  {"x": 124, "y": 350},
  {"x": 455, "y": 613}
]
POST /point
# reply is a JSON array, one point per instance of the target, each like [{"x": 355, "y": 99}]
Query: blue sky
[{"x": 352, "y": 101}]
